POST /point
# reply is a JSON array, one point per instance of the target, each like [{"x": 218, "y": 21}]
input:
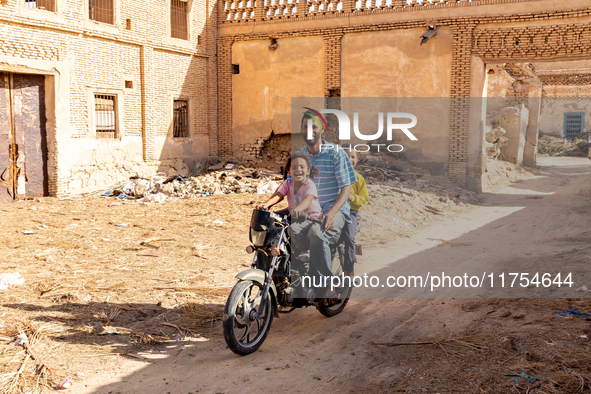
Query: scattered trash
[
  {"x": 114, "y": 204},
  {"x": 108, "y": 331},
  {"x": 67, "y": 383},
  {"x": 574, "y": 312},
  {"x": 218, "y": 222},
  {"x": 516, "y": 376},
  {"x": 226, "y": 178},
  {"x": 28, "y": 232},
  {"x": 268, "y": 187},
  {"x": 158, "y": 198},
  {"x": 584, "y": 337},
  {"x": 121, "y": 225},
  {"x": 7, "y": 280},
  {"x": 423, "y": 181},
  {"x": 583, "y": 289}
]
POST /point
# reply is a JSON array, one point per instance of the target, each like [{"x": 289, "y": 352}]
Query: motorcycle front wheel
[{"x": 243, "y": 331}]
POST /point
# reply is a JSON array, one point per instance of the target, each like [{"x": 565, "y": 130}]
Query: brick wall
[{"x": 102, "y": 57}]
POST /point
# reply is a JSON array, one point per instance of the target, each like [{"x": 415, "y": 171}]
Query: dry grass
[{"x": 167, "y": 271}]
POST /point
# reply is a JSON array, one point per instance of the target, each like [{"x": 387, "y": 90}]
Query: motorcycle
[{"x": 274, "y": 284}]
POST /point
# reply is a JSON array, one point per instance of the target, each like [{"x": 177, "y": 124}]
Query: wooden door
[{"x": 23, "y": 145}]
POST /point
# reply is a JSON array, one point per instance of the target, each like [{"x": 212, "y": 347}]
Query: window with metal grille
[
  {"x": 105, "y": 116},
  {"x": 41, "y": 4},
  {"x": 574, "y": 124},
  {"x": 101, "y": 10},
  {"x": 178, "y": 19},
  {"x": 180, "y": 123}
]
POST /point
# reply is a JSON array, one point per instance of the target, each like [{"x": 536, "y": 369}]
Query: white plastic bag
[
  {"x": 158, "y": 197},
  {"x": 7, "y": 280},
  {"x": 268, "y": 187}
]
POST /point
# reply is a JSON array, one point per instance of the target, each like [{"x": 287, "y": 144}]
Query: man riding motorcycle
[{"x": 333, "y": 182}]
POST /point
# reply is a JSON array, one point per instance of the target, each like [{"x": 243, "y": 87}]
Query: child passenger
[
  {"x": 302, "y": 196},
  {"x": 358, "y": 199}
]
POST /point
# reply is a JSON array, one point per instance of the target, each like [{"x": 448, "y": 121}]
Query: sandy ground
[{"x": 537, "y": 223}]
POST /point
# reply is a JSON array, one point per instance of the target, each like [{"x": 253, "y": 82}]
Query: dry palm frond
[{"x": 106, "y": 317}]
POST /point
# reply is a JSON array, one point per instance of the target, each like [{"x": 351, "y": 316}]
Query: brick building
[
  {"x": 270, "y": 51},
  {"x": 93, "y": 91}
]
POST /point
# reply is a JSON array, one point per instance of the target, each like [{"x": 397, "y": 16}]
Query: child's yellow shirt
[{"x": 359, "y": 196}]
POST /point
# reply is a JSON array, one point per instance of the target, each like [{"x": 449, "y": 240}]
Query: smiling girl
[{"x": 302, "y": 196}]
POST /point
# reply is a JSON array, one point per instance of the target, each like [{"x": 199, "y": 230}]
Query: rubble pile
[
  {"x": 495, "y": 140},
  {"x": 384, "y": 168},
  {"x": 554, "y": 146},
  {"x": 226, "y": 181}
]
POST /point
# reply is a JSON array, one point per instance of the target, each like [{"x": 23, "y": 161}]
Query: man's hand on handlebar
[
  {"x": 263, "y": 207},
  {"x": 328, "y": 220}
]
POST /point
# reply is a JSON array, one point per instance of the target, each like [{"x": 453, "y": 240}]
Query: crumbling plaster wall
[
  {"x": 391, "y": 64},
  {"x": 554, "y": 108},
  {"x": 374, "y": 64},
  {"x": 268, "y": 79},
  {"x": 514, "y": 94}
]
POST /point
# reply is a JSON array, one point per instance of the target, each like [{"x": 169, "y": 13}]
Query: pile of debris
[
  {"x": 385, "y": 168},
  {"x": 226, "y": 181},
  {"x": 554, "y": 146},
  {"x": 495, "y": 140}
]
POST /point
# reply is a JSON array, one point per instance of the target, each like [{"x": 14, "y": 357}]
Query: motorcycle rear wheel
[
  {"x": 344, "y": 292},
  {"x": 243, "y": 332}
]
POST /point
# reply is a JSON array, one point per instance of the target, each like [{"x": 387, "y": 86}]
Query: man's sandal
[{"x": 331, "y": 300}]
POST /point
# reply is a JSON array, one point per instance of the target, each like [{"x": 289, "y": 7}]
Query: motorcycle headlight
[{"x": 257, "y": 237}]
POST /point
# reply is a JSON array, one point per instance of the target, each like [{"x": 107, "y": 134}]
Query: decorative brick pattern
[
  {"x": 274, "y": 11},
  {"x": 460, "y": 102},
  {"x": 538, "y": 42},
  {"x": 569, "y": 79}
]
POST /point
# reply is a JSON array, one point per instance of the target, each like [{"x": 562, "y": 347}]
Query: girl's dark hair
[
  {"x": 300, "y": 155},
  {"x": 286, "y": 168}
]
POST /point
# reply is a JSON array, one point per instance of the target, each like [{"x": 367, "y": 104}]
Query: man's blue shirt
[{"x": 334, "y": 172}]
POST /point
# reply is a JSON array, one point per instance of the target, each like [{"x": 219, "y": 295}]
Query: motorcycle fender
[{"x": 259, "y": 276}]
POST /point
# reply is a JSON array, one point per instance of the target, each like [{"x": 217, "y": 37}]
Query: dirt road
[{"x": 537, "y": 224}]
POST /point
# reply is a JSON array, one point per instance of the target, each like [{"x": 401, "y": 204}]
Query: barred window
[
  {"x": 179, "y": 19},
  {"x": 574, "y": 124},
  {"x": 101, "y": 11},
  {"x": 48, "y": 5},
  {"x": 105, "y": 116},
  {"x": 180, "y": 123}
]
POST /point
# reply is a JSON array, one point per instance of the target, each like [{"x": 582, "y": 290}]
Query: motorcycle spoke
[
  {"x": 241, "y": 319},
  {"x": 245, "y": 335},
  {"x": 245, "y": 303},
  {"x": 256, "y": 301}
]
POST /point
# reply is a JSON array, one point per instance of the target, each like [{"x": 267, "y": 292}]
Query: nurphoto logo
[{"x": 345, "y": 129}]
